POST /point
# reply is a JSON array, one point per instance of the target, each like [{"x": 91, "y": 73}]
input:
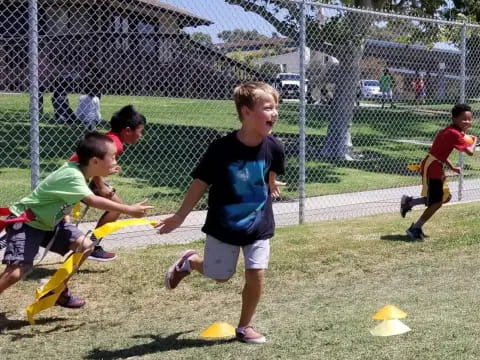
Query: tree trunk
[
  {"x": 349, "y": 53},
  {"x": 338, "y": 142}
]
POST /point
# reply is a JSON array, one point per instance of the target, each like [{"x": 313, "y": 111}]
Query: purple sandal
[{"x": 67, "y": 300}]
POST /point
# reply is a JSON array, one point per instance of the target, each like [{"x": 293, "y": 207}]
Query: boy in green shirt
[
  {"x": 386, "y": 85},
  {"x": 48, "y": 204}
]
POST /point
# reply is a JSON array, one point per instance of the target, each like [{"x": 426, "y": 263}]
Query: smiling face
[
  {"x": 259, "y": 120},
  {"x": 104, "y": 166},
  {"x": 463, "y": 121}
]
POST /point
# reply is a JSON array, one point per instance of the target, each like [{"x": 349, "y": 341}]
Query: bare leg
[
  {"x": 110, "y": 216},
  {"x": 10, "y": 276},
  {"x": 196, "y": 263},
  {"x": 81, "y": 245},
  {"x": 429, "y": 211},
  {"x": 252, "y": 291}
]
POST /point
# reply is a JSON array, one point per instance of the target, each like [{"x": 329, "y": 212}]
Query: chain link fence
[{"x": 363, "y": 95}]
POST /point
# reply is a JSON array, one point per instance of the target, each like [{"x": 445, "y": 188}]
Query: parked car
[
  {"x": 369, "y": 89},
  {"x": 288, "y": 85}
]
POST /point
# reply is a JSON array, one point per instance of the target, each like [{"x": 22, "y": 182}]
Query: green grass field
[
  {"x": 325, "y": 283},
  {"x": 179, "y": 130}
]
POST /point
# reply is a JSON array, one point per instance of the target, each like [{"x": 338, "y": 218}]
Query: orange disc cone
[
  {"x": 218, "y": 331},
  {"x": 389, "y": 312},
  {"x": 413, "y": 167},
  {"x": 389, "y": 328}
]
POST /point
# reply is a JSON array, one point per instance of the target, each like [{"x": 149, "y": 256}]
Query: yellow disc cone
[
  {"x": 389, "y": 312},
  {"x": 389, "y": 328},
  {"x": 218, "y": 330}
]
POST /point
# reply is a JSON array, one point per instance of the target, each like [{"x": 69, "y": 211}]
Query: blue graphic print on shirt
[{"x": 248, "y": 184}]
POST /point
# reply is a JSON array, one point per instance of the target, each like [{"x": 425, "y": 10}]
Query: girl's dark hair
[
  {"x": 92, "y": 145},
  {"x": 460, "y": 108},
  {"x": 126, "y": 117}
]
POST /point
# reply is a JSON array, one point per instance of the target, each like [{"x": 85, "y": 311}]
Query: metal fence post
[
  {"x": 463, "y": 44},
  {"x": 33, "y": 79},
  {"x": 301, "y": 180}
]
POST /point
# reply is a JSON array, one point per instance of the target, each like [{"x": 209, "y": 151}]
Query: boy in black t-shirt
[{"x": 240, "y": 170}]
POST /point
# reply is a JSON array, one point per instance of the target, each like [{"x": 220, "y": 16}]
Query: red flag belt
[{"x": 26, "y": 216}]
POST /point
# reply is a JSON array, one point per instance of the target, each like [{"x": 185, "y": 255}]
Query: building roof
[
  {"x": 189, "y": 19},
  {"x": 392, "y": 44},
  {"x": 154, "y": 8},
  {"x": 414, "y": 57}
]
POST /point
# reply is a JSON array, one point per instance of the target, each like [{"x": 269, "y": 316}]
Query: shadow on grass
[
  {"x": 157, "y": 344},
  {"x": 168, "y": 153},
  {"x": 41, "y": 273},
  {"x": 399, "y": 237},
  {"x": 7, "y": 324},
  {"x": 161, "y": 163}
]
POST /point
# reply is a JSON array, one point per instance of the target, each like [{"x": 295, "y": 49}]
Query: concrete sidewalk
[{"x": 321, "y": 208}]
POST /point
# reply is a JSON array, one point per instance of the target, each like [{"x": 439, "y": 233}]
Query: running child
[
  {"x": 240, "y": 171},
  {"x": 127, "y": 127},
  {"x": 435, "y": 190},
  {"x": 38, "y": 218}
]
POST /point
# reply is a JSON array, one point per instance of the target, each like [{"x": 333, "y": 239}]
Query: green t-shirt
[
  {"x": 386, "y": 82},
  {"x": 54, "y": 197}
]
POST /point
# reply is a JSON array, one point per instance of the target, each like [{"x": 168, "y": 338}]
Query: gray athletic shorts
[
  {"x": 220, "y": 259},
  {"x": 24, "y": 241}
]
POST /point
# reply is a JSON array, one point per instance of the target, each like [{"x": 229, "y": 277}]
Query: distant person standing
[
  {"x": 88, "y": 111},
  {"x": 63, "y": 113},
  {"x": 419, "y": 85},
  {"x": 386, "y": 85}
]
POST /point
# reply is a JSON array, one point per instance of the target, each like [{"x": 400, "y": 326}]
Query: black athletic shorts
[{"x": 435, "y": 191}]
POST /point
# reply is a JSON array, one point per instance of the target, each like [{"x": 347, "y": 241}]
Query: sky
[
  {"x": 224, "y": 16},
  {"x": 230, "y": 17}
]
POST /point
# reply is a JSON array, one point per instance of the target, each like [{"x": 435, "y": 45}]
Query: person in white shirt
[{"x": 88, "y": 111}]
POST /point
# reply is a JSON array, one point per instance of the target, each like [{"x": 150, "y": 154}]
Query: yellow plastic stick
[
  {"x": 47, "y": 295},
  {"x": 76, "y": 211},
  {"x": 43, "y": 303},
  {"x": 117, "y": 225}
]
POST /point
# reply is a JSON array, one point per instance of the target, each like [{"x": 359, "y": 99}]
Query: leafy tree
[
  {"x": 269, "y": 68},
  {"x": 202, "y": 38},
  {"x": 467, "y": 9},
  {"x": 240, "y": 35},
  {"x": 342, "y": 37}
]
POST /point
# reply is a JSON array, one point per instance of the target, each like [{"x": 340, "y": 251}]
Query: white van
[
  {"x": 369, "y": 89},
  {"x": 288, "y": 85}
]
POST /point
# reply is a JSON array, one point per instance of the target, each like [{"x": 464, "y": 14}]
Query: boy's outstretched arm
[
  {"x": 274, "y": 184},
  {"x": 194, "y": 194},
  {"x": 135, "y": 210}
]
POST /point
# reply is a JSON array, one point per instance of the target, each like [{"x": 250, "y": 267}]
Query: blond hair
[{"x": 248, "y": 94}]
